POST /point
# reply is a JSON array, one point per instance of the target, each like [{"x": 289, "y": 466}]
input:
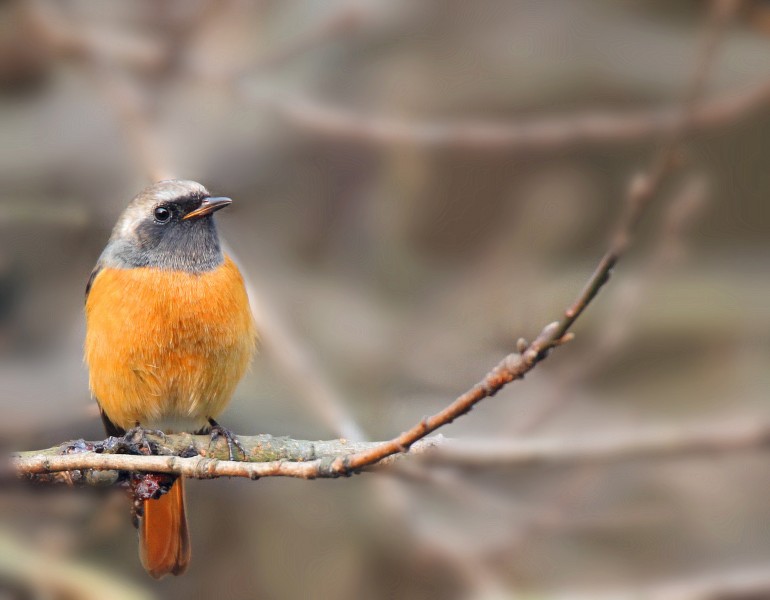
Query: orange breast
[{"x": 165, "y": 348}]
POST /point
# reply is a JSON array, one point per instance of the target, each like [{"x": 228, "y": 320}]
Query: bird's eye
[{"x": 162, "y": 214}]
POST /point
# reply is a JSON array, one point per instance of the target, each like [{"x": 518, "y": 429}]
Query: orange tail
[{"x": 164, "y": 543}]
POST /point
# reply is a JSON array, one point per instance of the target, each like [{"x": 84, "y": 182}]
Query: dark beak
[{"x": 208, "y": 206}]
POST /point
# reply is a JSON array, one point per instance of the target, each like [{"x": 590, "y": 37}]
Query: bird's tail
[{"x": 164, "y": 542}]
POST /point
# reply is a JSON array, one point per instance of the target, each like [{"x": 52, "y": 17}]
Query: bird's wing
[{"x": 97, "y": 269}]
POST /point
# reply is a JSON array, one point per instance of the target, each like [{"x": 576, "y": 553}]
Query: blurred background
[{"x": 416, "y": 185}]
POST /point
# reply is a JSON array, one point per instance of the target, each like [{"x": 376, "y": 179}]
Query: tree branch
[
  {"x": 101, "y": 463},
  {"x": 193, "y": 456}
]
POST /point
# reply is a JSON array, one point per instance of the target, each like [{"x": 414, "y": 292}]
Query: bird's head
[{"x": 168, "y": 225}]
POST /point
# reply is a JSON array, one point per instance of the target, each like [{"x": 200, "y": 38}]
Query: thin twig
[
  {"x": 737, "y": 584},
  {"x": 538, "y": 134},
  {"x": 652, "y": 443},
  {"x": 31, "y": 573},
  {"x": 547, "y": 133},
  {"x": 131, "y": 113},
  {"x": 123, "y": 96},
  {"x": 301, "y": 369}
]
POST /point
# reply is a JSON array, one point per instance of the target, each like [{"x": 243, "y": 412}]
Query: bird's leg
[
  {"x": 137, "y": 436},
  {"x": 232, "y": 440}
]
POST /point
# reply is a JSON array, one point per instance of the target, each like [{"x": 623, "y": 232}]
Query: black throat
[{"x": 191, "y": 246}]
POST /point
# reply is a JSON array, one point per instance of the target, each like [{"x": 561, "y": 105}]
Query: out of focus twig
[
  {"x": 126, "y": 99},
  {"x": 663, "y": 442},
  {"x": 132, "y": 115},
  {"x": 33, "y": 574},
  {"x": 738, "y": 584},
  {"x": 533, "y": 134},
  {"x": 302, "y": 371},
  {"x": 344, "y": 20}
]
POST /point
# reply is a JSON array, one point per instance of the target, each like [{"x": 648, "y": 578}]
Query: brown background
[{"x": 404, "y": 270}]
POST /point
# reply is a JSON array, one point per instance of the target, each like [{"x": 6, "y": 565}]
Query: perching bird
[{"x": 169, "y": 334}]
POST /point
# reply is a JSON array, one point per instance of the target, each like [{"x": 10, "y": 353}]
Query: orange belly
[{"x": 166, "y": 349}]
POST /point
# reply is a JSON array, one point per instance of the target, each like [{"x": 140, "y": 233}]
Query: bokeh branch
[
  {"x": 53, "y": 577},
  {"x": 539, "y": 134},
  {"x": 533, "y": 134},
  {"x": 735, "y": 584}
]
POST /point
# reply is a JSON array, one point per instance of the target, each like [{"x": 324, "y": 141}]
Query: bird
[{"x": 169, "y": 334}]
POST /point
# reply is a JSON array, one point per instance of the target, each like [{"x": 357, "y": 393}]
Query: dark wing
[
  {"x": 94, "y": 273},
  {"x": 109, "y": 426}
]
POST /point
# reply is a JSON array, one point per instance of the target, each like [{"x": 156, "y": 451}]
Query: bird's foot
[
  {"x": 218, "y": 431},
  {"x": 136, "y": 437}
]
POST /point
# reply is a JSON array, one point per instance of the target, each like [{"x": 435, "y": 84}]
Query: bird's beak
[{"x": 208, "y": 206}]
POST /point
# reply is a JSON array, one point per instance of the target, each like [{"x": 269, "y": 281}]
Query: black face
[
  {"x": 193, "y": 206},
  {"x": 173, "y": 234}
]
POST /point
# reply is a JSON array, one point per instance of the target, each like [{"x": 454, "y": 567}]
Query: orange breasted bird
[{"x": 169, "y": 333}]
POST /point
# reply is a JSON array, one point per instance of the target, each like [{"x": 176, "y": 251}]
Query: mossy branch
[{"x": 108, "y": 462}]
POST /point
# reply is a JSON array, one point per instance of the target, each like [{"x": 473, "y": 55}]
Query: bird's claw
[
  {"x": 137, "y": 437},
  {"x": 232, "y": 440}
]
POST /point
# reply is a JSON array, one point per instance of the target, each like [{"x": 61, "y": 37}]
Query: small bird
[{"x": 169, "y": 334}]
